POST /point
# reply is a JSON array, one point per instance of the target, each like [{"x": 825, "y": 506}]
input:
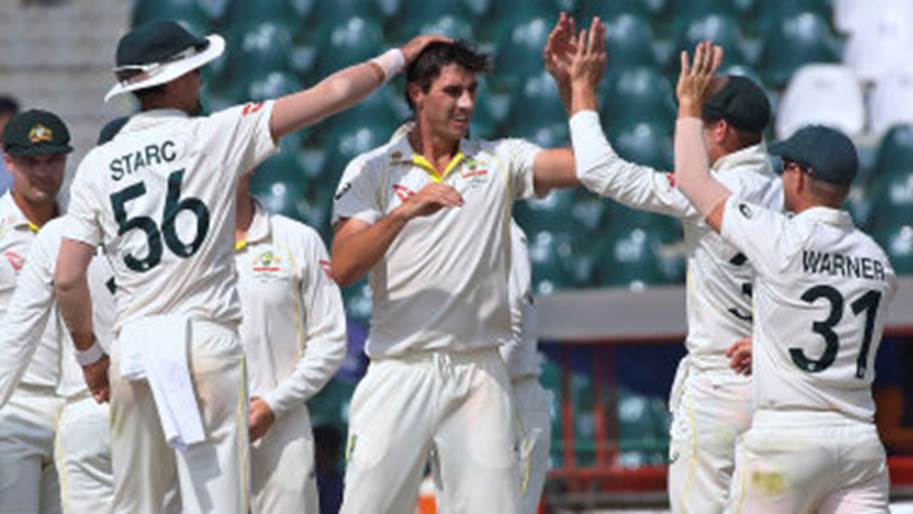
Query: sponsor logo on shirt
[
  {"x": 474, "y": 173},
  {"x": 267, "y": 262},
  {"x": 670, "y": 178},
  {"x": 16, "y": 261},
  {"x": 745, "y": 210},
  {"x": 343, "y": 190},
  {"x": 251, "y": 108}
]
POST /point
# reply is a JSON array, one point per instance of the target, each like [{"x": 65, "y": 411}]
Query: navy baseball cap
[
  {"x": 827, "y": 153},
  {"x": 741, "y": 102}
]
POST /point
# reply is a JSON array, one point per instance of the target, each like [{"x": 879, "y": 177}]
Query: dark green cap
[
  {"x": 155, "y": 42},
  {"x": 827, "y": 154},
  {"x": 36, "y": 132},
  {"x": 111, "y": 129},
  {"x": 741, "y": 102}
]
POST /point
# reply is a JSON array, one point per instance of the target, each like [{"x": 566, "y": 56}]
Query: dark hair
[
  {"x": 8, "y": 105},
  {"x": 427, "y": 67}
]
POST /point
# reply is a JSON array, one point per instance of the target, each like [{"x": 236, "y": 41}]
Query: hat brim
[
  {"x": 172, "y": 70},
  {"x": 34, "y": 150}
]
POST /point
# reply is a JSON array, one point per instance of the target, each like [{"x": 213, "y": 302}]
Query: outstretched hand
[
  {"x": 695, "y": 79},
  {"x": 588, "y": 63},
  {"x": 560, "y": 49}
]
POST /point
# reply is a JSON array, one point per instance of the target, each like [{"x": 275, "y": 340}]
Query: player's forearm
[
  {"x": 354, "y": 255},
  {"x": 583, "y": 97},
  {"x": 603, "y": 172},
  {"x": 692, "y": 166},
  {"x": 71, "y": 288},
  {"x": 333, "y": 94}
]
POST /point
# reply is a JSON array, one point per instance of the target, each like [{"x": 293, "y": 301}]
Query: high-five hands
[
  {"x": 577, "y": 61},
  {"x": 560, "y": 49},
  {"x": 695, "y": 79}
]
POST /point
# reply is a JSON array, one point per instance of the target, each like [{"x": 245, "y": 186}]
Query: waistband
[
  {"x": 480, "y": 355},
  {"x": 804, "y": 419}
]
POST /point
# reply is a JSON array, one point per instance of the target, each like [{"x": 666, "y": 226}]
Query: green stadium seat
[
  {"x": 279, "y": 198},
  {"x": 537, "y": 114},
  {"x": 630, "y": 42},
  {"x": 893, "y": 196},
  {"x": 251, "y": 55},
  {"x": 504, "y": 17},
  {"x": 478, "y": 8},
  {"x": 686, "y": 10},
  {"x": 771, "y": 13},
  {"x": 273, "y": 85},
  {"x": 450, "y": 25},
  {"x": 550, "y": 253},
  {"x": 552, "y": 213},
  {"x": 551, "y": 381},
  {"x": 383, "y": 109},
  {"x": 188, "y": 12},
  {"x": 423, "y": 17},
  {"x": 642, "y": 429},
  {"x": 585, "y": 10},
  {"x": 352, "y": 41},
  {"x": 630, "y": 255},
  {"x": 584, "y": 404},
  {"x": 519, "y": 52},
  {"x": 249, "y": 14},
  {"x": 649, "y": 144},
  {"x": 722, "y": 29},
  {"x": 897, "y": 241},
  {"x": 895, "y": 152},
  {"x": 788, "y": 44},
  {"x": 639, "y": 95}
]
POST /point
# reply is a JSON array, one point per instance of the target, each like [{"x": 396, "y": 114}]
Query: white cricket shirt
[
  {"x": 719, "y": 275},
  {"x": 520, "y": 353},
  {"x": 160, "y": 197},
  {"x": 17, "y": 235},
  {"x": 33, "y": 308},
  {"x": 821, "y": 299},
  {"x": 442, "y": 284},
  {"x": 294, "y": 324}
]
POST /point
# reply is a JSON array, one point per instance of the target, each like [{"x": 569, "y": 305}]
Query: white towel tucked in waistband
[{"x": 155, "y": 349}]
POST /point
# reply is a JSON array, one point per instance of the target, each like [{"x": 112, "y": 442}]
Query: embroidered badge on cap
[{"x": 40, "y": 133}]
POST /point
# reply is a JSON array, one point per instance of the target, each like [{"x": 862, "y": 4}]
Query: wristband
[
  {"x": 391, "y": 62},
  {"x": 90, "y": 356}
]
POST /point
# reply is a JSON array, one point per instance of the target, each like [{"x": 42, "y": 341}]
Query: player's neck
[
  {"x": 437, "y": 150},
  {"x": 37, "y": 213}
]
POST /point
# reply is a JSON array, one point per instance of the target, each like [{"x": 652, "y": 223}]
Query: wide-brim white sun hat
[{"x": 159, "y": 52}]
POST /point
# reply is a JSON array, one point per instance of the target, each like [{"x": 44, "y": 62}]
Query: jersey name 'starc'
[{"x": 149, "y": 156}]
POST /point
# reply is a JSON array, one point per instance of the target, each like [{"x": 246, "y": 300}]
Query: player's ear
[{"x": 414, "y": 90}]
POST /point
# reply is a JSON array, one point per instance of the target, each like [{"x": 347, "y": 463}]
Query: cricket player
[
  {"x": 821, "y": 295},
  {"x": 160, "y": 198},
  {"x": 82, "y": 450},
  {"x": 711, "y": 406},
  {"x": 294, "y": 335},
  {"x": 428, "y": 217},
  {"x": 524, "y": 366},
  {"x": 35, "y": 146}
]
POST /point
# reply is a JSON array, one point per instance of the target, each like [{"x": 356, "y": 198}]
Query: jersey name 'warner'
[{"x": 843, "y": 265}]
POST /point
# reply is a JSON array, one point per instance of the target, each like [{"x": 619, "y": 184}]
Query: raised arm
[
  {"x": 692, "y": 167},
  {"x": 342, "y": 89},
  {"x": 597, "y": 166}
]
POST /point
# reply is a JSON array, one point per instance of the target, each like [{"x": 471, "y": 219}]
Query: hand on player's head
[
  {"x": 414, "y": 47},
  {"x": 560, "y": 49},
  {"x": 696, "y": 78},
  {"x": 588, "y": 62}
]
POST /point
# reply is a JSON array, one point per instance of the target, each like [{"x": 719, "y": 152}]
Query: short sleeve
[
  {"x": 519, "y": 156},
  {"x": 240, "y": 135},
  {"x": 758, "y": 232},
  {"x": 83, "y": 221},
  {"x": 358, "y": 195}
]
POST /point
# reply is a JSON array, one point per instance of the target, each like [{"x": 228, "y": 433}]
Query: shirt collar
[
  {"x": 401, "y": 153},
  {"x": 12, "y": 216},
  {"x": 147, "y": 119},
  {"x": 827, "y": 215},
  {"x": 753, "y": 157},
  {"x": 259, "y": 227}
]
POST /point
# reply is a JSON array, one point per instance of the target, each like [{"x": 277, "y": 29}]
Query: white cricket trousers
[
  {"x": 28, "y": 478},
  {"x": 533, "y": 407},
  {"x": 83, "y": 457},
  {"x": 459, "y": 406},
  {"x": 282, "y": 467},
  {"x": 799, "y": 462},
  {"x": 710, "y": 410},
  {"x": 212, "y": 476}
]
